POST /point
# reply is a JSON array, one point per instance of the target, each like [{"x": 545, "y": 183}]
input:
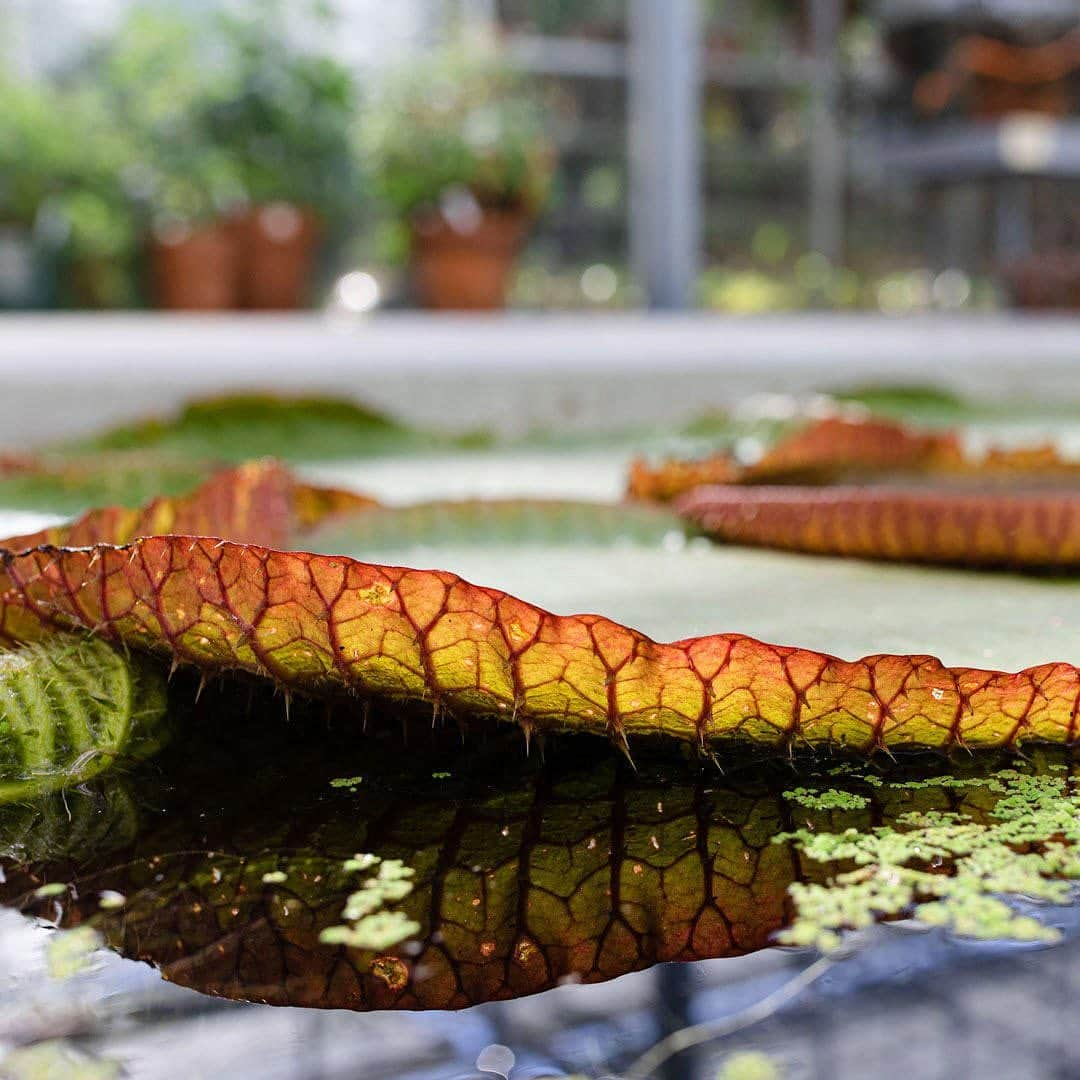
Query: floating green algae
[
  {"x": 1015, "y": 836},
  {"x": 55, "y": 1058},
  {"x": 829, "y": 799},
  {"x": 368, "y": 924},
  {"x": 69, "y": 952},
  {"x": 749, "y": 1065},
  {"x": 350, "y": 782}
]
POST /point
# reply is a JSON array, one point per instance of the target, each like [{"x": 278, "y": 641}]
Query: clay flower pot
[
  {"x": 277, "y": 245},
  {"x": 466, "y": 269},
  {"x": 194, "y": 268},
  {"x": 1047, "y": 281}
]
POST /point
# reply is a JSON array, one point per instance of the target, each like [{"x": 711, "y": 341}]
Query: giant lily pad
[
  {"x": 513, "y": 523},
  {"x": 333, "y": 625},
  {"x": 172, "y": 455},
  {"x": 503, "y": 874},
  {"x": 991, "y": 509},
  {"x": 211, "y": 580}
]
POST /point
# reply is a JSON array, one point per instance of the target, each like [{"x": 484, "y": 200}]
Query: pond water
[
  {"x": 225, "y": 859},
  {"x": 230, "y": 861}
]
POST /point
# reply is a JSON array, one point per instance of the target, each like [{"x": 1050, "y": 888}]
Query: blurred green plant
[
  {"x": 35, "y": 150},
  {"x": 173, "y": 119},
  {"x": 605, "y": 18},
  {"x": 222, "y": 111},
  {"x": 460, "y": 122},
  {"x": 156, "y": 82},
  {"x": 287, "y": 115},
  {"x": 61, "y": 157}
]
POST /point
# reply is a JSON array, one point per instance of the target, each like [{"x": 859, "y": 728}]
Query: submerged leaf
[
  {"x": 68, "y": 708},
  {"x": 65, "y": 826},
  {"x": 330, "y": 625}
]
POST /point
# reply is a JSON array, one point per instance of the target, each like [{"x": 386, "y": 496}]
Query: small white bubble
[{"x": 497, "y": 1059}]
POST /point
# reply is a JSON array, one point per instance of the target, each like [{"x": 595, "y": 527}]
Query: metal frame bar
[{"x": 665, "y": 149}]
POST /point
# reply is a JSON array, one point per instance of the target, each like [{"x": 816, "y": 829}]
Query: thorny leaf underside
[
  {"x": 330, "y": 625},
  {"x": 69, "y": 706}
]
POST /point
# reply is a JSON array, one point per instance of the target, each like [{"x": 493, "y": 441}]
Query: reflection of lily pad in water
[
  {"x": 69, "y": 706},
  {"x": 525, "y": 872}
]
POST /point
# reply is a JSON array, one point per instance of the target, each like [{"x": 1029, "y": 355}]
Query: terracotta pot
[
  {"x": 1047, "y": 281},
  {"x": 454, "y": 269},
  {"x": 277, "y": 249},
  {"x": 994, "y": 99},
  {"x": 194, "y": 268}
]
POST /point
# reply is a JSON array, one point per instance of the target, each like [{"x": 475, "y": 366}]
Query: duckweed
[
  {"x": 68, "y": 951},
  {"x": 749, "y": 1065},
  {"x": 827, "y": 800},
  {"x": 944, "y": 868},
  {"x": 368, "y": 924}
]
